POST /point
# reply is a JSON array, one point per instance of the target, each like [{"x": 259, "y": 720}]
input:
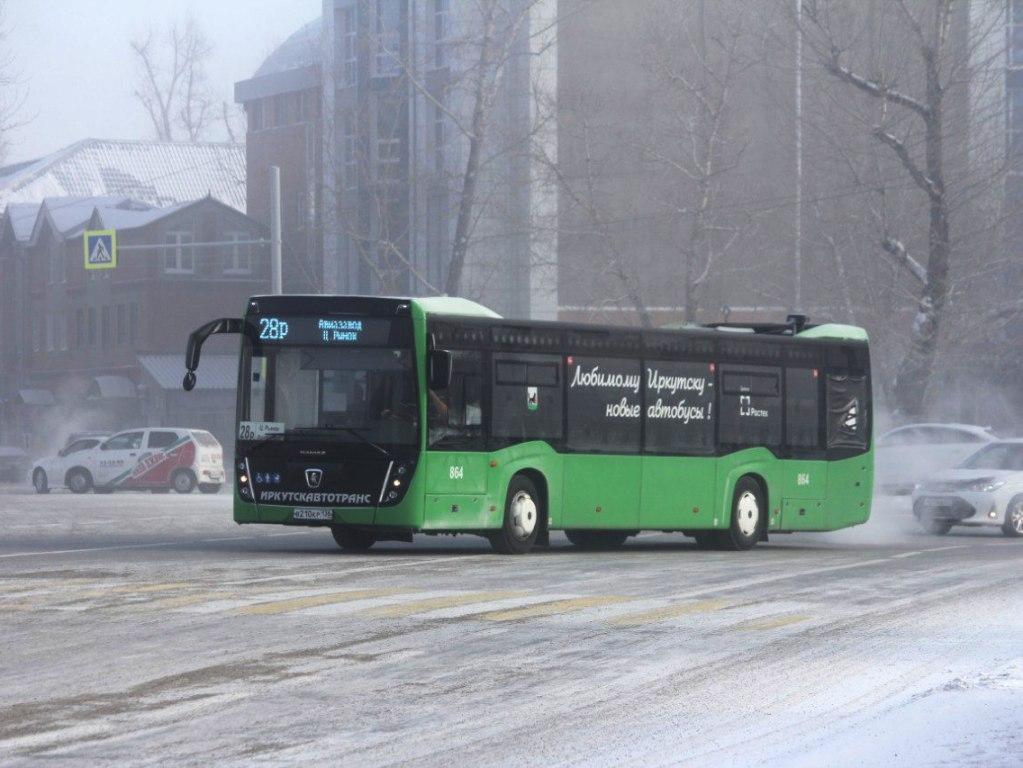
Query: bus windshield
[{"x": 343, "y": 394}]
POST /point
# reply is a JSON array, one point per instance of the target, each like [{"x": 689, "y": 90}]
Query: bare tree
[
  {"x": 657, "y": 206},
  {"x": 908, "y": 82},
  {"x": 469, "y": 171},
  {"x": 172, "y": 83},
  {"x": 696, "y": 54},
  {"x": 12, "y": 90}
]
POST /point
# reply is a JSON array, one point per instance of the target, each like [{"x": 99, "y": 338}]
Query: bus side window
[
  {"x": 750, "y": 406},
  {"x": 802, "y": 422},
  {"x": 604, "y": 404},
  {"x": 455, "y": 415},
  {"x": 679, "y": 407},
  {"x": 527, "y": 397},
  {"x": 848, "y": 419}
]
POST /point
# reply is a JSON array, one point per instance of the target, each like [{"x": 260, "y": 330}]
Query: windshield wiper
[{"x": 350, "y": 430}]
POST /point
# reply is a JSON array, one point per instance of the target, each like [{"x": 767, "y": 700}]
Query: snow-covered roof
[
  {"x": 121, "y": 218},
  {"x": 157, "y": 173},
  {"x": 293, "y": 66},
  {"x": 215, "y": 371},
  {"x": 23, "y": 218},
  {"x": 301, "y": 49},
  {"x": 69, "y": 214}
]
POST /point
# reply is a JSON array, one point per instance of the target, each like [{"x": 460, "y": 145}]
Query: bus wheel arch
[
  {"x": 748, "y": 513},
  {"x": 517, "y": 534},
  {"x": 543, "y": 502},
  {"x": 765, "y": 495}
]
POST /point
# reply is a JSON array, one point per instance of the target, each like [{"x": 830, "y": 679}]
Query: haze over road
[{"x": 144, "y": 630}]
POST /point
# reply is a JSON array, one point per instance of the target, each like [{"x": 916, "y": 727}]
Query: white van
[{"x": 156, "y": 459}]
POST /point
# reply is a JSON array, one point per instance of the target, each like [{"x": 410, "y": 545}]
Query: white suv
[
  {"x": 156, "y": 459},
  {"x": 984, "y": 490}
]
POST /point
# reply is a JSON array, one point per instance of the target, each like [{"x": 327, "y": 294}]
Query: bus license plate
[{"x": 312, "y": 514}]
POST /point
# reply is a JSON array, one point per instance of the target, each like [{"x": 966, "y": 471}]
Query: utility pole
[
  {"x": 799, "y": 159},
  {"x": 275, "y": 229}
]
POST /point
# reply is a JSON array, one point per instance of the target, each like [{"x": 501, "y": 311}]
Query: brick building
[{"x": 93, "y": 349}]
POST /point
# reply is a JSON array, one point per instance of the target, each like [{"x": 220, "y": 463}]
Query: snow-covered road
[{"x": 150, "y": 630}]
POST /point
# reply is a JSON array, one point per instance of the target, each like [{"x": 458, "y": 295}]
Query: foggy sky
[{"x": 74, "y": 58}]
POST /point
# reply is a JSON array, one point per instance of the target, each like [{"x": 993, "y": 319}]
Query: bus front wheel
[
  {"x": 352, "y": 539},
  {"x": 749, "y": 516},
  {"x": 522, "y": 510}
]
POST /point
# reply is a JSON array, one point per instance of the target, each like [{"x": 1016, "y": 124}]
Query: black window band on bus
[
  {"x": 527, "y": 401},
  {"x": 847, "y": 417}
]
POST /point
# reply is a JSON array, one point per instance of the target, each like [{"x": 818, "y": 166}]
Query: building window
[
  {"x": 280, "y": 106},
  {"x": 351, "y": 161},
  {"x": 1015, "y": 42},
  {"x": 254, "y": 109},
  {"x": 122, "y": 324},
  {"x": 1014, "y": 120},
  {"x": 133, "y": 323},
  {"x": 80, "y": 329},
  {"x": 179, "y": 256},
  {"x": 440, "y": 32},
  {"x": 56, "y": 263},
  {"x": 438, "y": 138},
  {"x": 92, "y": 327},
  {"x": 106, "y": 336},
  {"x": 238, "y": 259},
  {"x": 347, "y": 41},
  {"x": 388, "y": 48},
  {"x": 388, "y": 139}
]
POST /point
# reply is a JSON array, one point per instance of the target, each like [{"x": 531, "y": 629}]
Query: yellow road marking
[
  {"x": 771, "y": 622},
  {"x": 668, "y": 612},
  {"x": 181, "y": 601},
  {"x": 434, "y": 603},
  {"x": 131, "y": 589},
  {"x": 552, "y": 608},
  {"x": 312, "y": 601},
  {"x": 17, "y": 607}
]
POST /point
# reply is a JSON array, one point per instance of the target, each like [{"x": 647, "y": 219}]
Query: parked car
[
  {"x": 52, "y": 469},
  {"x": 984, "y": 490},
  {"x": 907, "y": 455},
  {"x": 155, "y": 459},
  {"x": 13, "y": 462}
]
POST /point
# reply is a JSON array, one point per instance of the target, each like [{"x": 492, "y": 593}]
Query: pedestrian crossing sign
[{"x": 100, "y": 248}]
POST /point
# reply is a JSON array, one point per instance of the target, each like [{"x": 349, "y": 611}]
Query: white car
[
  {"x": 984, "y": 490},
  {"x": 906, "y": 456},
  {"x": 50, "y": 471},
  {"x": 156, "y": 459}
]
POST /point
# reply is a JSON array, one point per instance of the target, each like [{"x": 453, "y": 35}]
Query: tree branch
[
  {"x": 898, "y": 250},
  {"x": 922, "y": 180}
]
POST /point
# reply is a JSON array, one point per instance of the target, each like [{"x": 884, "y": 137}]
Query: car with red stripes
[{"x": 158, "y": 459}]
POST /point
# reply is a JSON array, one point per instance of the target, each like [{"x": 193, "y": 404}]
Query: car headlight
[{"x": 987, "y": 486}]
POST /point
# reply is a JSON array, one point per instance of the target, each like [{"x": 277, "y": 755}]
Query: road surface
[{"x": 150, "y": 630}]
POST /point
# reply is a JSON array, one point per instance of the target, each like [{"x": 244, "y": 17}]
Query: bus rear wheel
[
  {"x": 522, "y": 512},
  {"x": 353, "y": 539},
  {"x": 749, "y": 516},
  {"x": 597, "y": 540}
]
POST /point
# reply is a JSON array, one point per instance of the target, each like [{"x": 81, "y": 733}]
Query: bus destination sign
[{"x": 324, "y": 331}]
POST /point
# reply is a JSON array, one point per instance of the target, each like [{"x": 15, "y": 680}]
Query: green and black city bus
[{"x": 385, "y": 417}]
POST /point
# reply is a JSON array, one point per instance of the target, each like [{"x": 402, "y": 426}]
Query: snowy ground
[{"x": 150, "y": 630}]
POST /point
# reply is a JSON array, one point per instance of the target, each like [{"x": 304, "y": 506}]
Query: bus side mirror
[
  {"x": 198, "y": 337},
  {"x": 439, "y": 369}
]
